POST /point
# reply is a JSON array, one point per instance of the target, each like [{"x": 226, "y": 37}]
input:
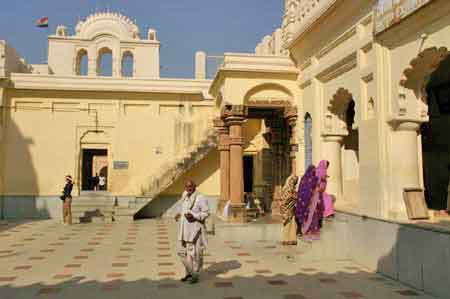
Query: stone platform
[{"x": 44, "y": 259}]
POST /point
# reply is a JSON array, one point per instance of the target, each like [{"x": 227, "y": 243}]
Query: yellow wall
[{"x": 43, "y": 130}]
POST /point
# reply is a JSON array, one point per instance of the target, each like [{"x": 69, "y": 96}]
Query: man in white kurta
[{"x": 192, "y": 231}]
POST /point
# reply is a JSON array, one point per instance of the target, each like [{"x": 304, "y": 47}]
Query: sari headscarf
[
  {"x": 288, "y": 198},
  {"x": 305, "y": 192},
  {"x": 321, "y": 171}
]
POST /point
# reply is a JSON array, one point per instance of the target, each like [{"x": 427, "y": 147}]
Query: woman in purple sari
[{"x": 309, "y": 209}]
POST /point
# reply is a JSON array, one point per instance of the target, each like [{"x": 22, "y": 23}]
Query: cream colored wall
[
  {"x": 429, "y": 27},
  {"x": 330, "y": 57},
  {"x": 43, "y": 131},
  {"x": 340, "y": 51}
]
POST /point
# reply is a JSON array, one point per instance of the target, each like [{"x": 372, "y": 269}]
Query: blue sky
[{"x": 183, "y": 26}]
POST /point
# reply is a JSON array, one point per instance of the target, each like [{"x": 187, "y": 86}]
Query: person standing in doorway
[
  {"x": 192, "y": 231},
  {"x": 95, "y": 181},
  {"x": 67, "y": 201},
  {"x": 102, "y": 182}
]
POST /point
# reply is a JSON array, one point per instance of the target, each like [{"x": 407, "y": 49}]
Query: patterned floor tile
[
  {"x": 223, "y": 284},
  {"x": 115, "y": 275},
  {"x": 277, "y": 282},
  {"x": 263, "y": 271},
  {"x": 37, "y": 258},
  {"x": 72, "y": 266},
  {"x": 351, "y": 295},
  {"x": 24, "y": 267},
  {"x": 62, "y": 276},
  {"x": 408, "y": 293},
  {"x": 165, "y": 264},
  {"x": 166, "y": 274},
  {"x": 48, "y": 290},
  {"x": 327, "y": 280}
]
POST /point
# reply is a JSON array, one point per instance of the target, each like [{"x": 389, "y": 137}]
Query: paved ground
[{"x": 45, "y": 259}]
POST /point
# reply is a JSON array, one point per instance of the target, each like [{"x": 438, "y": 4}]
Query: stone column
[
  {"x": 291, "y": 117},
  {"x": 333, "y": 145},
  {"x": 224, "y": 150},
  {"x": 405, "y": 164},
  {"x": 235, "y": 116}
]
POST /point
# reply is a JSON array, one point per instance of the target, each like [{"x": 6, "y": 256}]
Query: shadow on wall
[
  {"x": 167, "y": 203},
  {"x": 416, "y": 256},
  {"x": 19, "y": 199}
]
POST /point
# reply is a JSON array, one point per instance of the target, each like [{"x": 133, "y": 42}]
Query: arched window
[
  {"x": 81, "y": 68},
  {"x": 127, "y": 64},
  {"x": 104, "y": 62},
  {"x": 308, "y": 140}
]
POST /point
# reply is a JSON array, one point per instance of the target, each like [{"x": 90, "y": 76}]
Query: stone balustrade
[{"x": 300, "y": 15}]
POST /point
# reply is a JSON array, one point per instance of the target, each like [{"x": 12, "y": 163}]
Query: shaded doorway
[
  {"x": 248, "y": 174},
  {"x": 94, "y": 163},
  {"x": 436, "y": 139}
]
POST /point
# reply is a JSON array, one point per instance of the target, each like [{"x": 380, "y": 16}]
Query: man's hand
[
  {"x": 189, "y": 217},
  {"x": 177, "y": 217}
]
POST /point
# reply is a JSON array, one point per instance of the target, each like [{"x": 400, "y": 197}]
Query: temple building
[{"x": 362, "y": 84}]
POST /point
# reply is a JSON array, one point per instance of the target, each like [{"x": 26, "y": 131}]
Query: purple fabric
[
  {"x": 321, "y": 170},
  {"x": 305, "y": 192}
]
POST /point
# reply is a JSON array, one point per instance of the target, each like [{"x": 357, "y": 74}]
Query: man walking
[{"x": 192, "y": 231}]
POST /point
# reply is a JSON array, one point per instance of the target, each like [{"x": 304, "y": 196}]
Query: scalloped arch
[
  {"x": 415, "y": 77},
  {"x": 109, "y": 23}
]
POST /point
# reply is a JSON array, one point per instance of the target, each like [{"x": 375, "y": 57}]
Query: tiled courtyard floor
[{"x": 44, "y": 259}]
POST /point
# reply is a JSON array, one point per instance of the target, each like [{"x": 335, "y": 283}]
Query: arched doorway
[
  {"x": 436, "y": 139},
  {"x": 308, "y": 140},
  {"x": 341, "y": 146}
]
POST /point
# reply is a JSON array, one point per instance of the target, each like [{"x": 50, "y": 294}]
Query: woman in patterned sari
[
  {"x": 321, "y": 173},
  {"x": 288, "y": 199},
  {"x": 309, "y": 210}
]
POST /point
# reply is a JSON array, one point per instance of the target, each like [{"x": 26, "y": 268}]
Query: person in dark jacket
[{"x": 67, "y": 200}]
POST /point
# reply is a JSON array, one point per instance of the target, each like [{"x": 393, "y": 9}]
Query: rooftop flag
[{"x": 42, "y": 22}]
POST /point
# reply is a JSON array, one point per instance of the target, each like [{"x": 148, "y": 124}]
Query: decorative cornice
[
  {"x": 85, "y": 83},
  {"x": 344, "y": 65}
]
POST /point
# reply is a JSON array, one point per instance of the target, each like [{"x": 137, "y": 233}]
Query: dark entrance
[
  {"x": 436, "y": 139},
  {"x": 248, "y": 174},
  {"x": 87, "y": 173}
]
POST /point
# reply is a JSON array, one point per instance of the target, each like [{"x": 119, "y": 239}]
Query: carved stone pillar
[
  {"x": 333, "y": 145},
  {"x": 291, "y": 117},
  {"x": 235, "y": 116},
  {"x": 224, "y": 150}
]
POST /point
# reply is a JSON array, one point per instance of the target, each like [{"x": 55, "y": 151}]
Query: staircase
[
  {"x": 196, "y": 138},
  {"x": 172, "y": 170},
  {"x": 97, "y": 207}
]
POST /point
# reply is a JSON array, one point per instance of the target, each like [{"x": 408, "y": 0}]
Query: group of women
[{"x": 303, "y": 209}]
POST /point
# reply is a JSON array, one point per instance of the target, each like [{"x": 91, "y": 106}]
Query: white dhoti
[
  {"x": 192, "y": 235},
  {"x": 191, "y": 255}
]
